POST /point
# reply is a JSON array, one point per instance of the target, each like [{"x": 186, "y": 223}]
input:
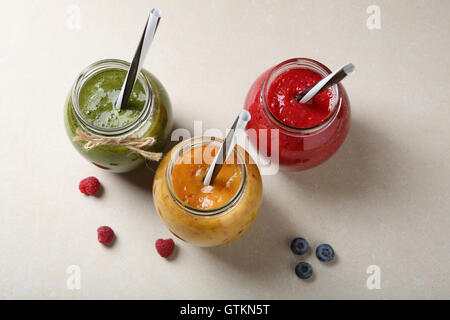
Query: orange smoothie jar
[{"x": 206, "y": 215}]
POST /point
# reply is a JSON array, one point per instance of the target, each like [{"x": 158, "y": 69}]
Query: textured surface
[{"x": 383, "y": 199}]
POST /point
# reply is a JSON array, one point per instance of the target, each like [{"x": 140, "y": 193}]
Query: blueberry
[
  {"x": 325, "y": 252},
  {"x": 303, "y": 270},
  {"x": 299, "y": 246}
]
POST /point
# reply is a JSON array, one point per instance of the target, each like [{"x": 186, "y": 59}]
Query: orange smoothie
[{"x": 206, "y": 215}]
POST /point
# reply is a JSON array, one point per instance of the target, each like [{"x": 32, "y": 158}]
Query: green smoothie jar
[{"x": 90, "y": 107}]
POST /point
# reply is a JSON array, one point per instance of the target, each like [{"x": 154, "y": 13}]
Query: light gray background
[{"x": 382, "y": 199}]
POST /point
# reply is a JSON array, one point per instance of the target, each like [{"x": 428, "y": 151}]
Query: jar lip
[
  {"x": 100, "y": 66},
  {"x": 300, "y": 63},
  {"x": 188, "y": 145}
]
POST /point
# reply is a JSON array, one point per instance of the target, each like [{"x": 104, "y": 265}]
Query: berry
[
  {"x": 89, "y": 186},
  {"x": 105, "y": 235},
  {"x": 303, "y": 270},
  {"x": 299, "y": 246},
  {"x": 325, "y": 252},
  {"x": 164, "y": 247}
]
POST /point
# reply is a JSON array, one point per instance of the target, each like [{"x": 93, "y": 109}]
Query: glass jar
[
  {"x": 296, "y": 148},
  {"x": 155, "y": 120},
  {"x": 214, "y": 226}
]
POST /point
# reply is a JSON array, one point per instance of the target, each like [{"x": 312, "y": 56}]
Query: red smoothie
[
  {"x": 308, "y": 133},
  {"x": 285, "y": 108}
]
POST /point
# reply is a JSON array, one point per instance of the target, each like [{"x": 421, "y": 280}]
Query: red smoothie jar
[{"x": 305, "y": 134}]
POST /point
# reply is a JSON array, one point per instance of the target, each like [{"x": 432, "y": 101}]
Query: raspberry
[
  {"x": 105, "y": 235},
  {"x": 164, "y": 247},
  {"x": 89, "y": 186}
]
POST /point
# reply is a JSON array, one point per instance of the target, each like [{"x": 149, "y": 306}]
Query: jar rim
[
  {"x": 188, "y": 145},
  {"x": 101, "y": 66},
  {"x": 300, "y": 63}
]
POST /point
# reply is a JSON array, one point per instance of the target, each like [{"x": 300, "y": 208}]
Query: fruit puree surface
[
  {"x": 99, "y": 94},
  {"x": 282, "y": 103},
  {"x": 188, "y": 176}
]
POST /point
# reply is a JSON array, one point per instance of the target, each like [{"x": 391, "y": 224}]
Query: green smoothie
[
  {"x": 90, "y": 107},
  {"x": 99, "y": 94}
]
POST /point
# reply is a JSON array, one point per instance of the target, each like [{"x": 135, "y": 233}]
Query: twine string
[{"x": 134, "y": 144}]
